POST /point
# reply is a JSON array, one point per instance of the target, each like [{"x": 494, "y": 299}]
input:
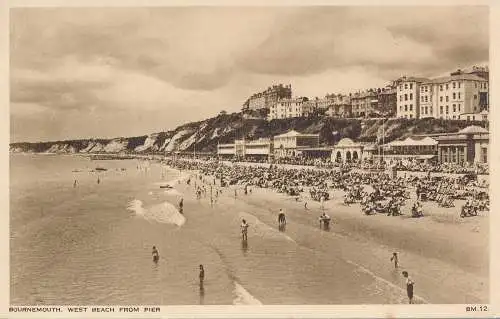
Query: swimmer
[{"x": 156, "y": 254}]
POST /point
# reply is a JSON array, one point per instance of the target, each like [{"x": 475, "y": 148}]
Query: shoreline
[{"x": 431, "y": 248}]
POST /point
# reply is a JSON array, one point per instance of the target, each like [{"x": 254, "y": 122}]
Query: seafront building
[
  {"x": 449, "y": 97},
  {"x": 408, "y": 95},
  {"x": 387, "y": 101},
  {"x": 290, "y": 108},
  {"x": 269, "y": 97},
  {"x": 363, "y": 104},
  {"x": 469, "y": 145},
  {"x": 293, "y": 143},
  {"x": 242, "y": 148},
  {"x": 346, "y": 150}
]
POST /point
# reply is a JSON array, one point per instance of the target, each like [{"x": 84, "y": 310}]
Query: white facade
[
  {"x": 457, "y": 94},
  {"x": 290, "y": 108},
  {"x": 290, "y": 143},
  {"x": 262, "y": 146},
  {"x": 408, "y": 97},
  {"x": 226, "y": 149},
  {"x": 445, "y": 98}
]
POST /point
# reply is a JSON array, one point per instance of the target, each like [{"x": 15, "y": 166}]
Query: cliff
[{"x": 224, "y": 128}]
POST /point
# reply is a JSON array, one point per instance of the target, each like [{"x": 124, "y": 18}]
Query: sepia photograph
[{"x": 248, "y": 155}]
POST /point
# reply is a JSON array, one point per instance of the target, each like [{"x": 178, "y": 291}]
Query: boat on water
[
  {"x": 101, "y": 169},
  {"x": 166, "y": 186}
]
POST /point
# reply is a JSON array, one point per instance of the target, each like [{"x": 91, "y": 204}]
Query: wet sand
[{"x": 447, "y": 256}]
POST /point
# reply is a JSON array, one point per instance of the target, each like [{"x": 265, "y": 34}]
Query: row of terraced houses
[{"x": 463, "y": 95}]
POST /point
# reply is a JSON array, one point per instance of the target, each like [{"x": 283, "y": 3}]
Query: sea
[{"x": 81, "y": 236}]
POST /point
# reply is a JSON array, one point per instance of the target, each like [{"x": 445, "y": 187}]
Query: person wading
[
  {"x": 409, "y": 287},
  {"x": 395, "y": 259},
  {"x": 244, "y": 230},
  {"x": 156, "y": 254}
]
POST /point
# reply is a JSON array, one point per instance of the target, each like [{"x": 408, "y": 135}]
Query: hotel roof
[
  {"x": 457, "y": 77},
  {"x": 293, "y": 133},
  {"x": 473, "y": 129}
]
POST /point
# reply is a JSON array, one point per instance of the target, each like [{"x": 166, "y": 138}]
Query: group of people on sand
[
  {"x": 365, "y": 187},
  {"x": 388, "y": 195}
]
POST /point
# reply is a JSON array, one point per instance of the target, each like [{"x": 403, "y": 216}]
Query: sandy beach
[{"x": 447, "y": 266}]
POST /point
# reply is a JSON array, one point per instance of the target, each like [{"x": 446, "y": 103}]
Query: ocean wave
[
  {"x": 165, "y": 213},
  {"x": 379, "y": 280},
  {"x": 262, "y": 229},
  {"x": 243, "y": 297}
]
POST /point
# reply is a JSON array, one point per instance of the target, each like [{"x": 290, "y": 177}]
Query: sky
[{"x": 112, "y": 72}]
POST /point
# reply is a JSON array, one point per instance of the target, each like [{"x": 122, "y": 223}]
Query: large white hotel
[{"x": 460, "y": 96}]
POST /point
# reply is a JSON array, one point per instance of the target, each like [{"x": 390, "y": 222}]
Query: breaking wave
[
  {"x": 162, "y": 213},
  {"x": 262, "y": 229},
  {"x": 243, "y": 297}
]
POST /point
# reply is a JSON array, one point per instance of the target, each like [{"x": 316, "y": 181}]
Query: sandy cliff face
[
  {"x": 149, "y": 144},
  {"x": 225, "y": 128}
]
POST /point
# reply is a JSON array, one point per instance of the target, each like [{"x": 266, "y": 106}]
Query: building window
[
  {"x": 459, "y": 94},
  {"x": 411, "y": 86},
  {"x": 484, "y": 154},
  {"x": 475, "y": 85},
  {"x": 440, "y": 99},
  {"x": 447, "y": 109},
  {"x": 430, "y": 110},
  {"x": 459, "y": 85},
  {"x": 411, "y": 96},
  {"x": 400, "y": 98},
  {"x": 468, "y": 118},
  {"x": 401, "y": 108},
  {"x": 454, "y": 85},
  {"x": 411, "y": 116},
  {"x": 475, "y": 96},
  {"x": 453, "y": 116},
  {"x": 454, "y": 108},
  {"x": 426, "y": 109},
  {"x": 447, "y": 87},
  {"x": 411, "y": 107},
  {"x": 447, "y": 98},
  {"x": 441, "y": 109},
  {"x": 406, "y": 97},
  {"x": 401, "y": 87},
  {"x": 422, "y": 98},
  {"x": 441, "y": 87},
  {"x": 406, "y": 86},
  {"x": 459, "y": 107},
  {"x": 426, "y": 89},
  {"x": 426, "y": 98},
  {"x": 454, "y": 95}
]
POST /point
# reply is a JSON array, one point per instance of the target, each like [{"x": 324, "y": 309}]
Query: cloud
[
  {"x": 130, "y": 70},
  {"x": 409, "y": 39}
]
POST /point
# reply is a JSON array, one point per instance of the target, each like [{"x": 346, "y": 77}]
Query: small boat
[
  {"x": 101, "y": 169},
  {"x": 166, "y": 186}
]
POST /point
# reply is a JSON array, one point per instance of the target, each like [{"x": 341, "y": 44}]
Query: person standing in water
[
  {"x": 156, "y": 254},
  {"x": 409, "y": 287},
  {"x": 244, "y": 230},
  {"x": 181, "y": 206},
  {"x": 202, "y": 275},
  {"x": 74, "y": 184},
  {"x": 395, "y": 259}
]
